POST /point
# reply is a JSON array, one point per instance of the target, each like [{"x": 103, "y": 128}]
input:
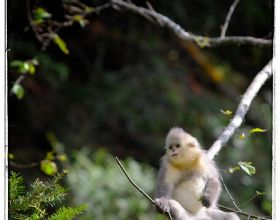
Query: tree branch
[
  {"x": 138, "y": 188},
  {"x": 164, "y": 21},
  {"x": 230, "y": 12},
  {"x": 242, "y": 109}
]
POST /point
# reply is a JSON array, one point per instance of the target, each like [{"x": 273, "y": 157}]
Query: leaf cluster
[{"x": 35, "y": 203}]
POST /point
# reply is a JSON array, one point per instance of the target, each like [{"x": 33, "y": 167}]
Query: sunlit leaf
[
  {"x": 40, "y": 15},
  {"x": 62, "y": 157},
  {"x": 11, "y": 156},
  {"x": 260, "y": 193},
  {"x": 89, "y": 9},
  {"x": 202, "y": 41},
  {"x": 61, "y": 44},
  {"x": 50, "y": 155},
  {"x": 255, "y": 130},
  {"x": 31, "y": 69},
  {"x": 48, "y": 167},
  {"x": 233, "y": 169},
  {"x": 16, "y": 63},
  {"x": 82, "y": 21},
  {"x": 27, "y": 66},
  {"x": 242, "y": 136},
  {"x": 18, "y": 90},
  {"x": 226, "y": 112},
  {"x": 247, "y": 167}
]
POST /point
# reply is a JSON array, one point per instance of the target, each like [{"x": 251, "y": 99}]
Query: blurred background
[{"x": 113, "y": 84}]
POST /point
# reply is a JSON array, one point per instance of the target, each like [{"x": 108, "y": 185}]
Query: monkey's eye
[
  {"x": 178, "y": 145},
  {"x": 170, "y": 147}
]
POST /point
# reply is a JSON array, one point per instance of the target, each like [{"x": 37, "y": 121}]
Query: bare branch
[
  {"x": 228, "y": 192},
  {"x": 242, "y": 109},
  {"x": 243, "y": 213},
  {"x": 133, "y": 183},
  {"x": 230, "y": 12},
  {"x": 138, "y": 188},
  {"x": 164, "y": 21}
]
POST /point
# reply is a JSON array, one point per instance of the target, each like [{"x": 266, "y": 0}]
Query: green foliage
[
  {"x": 60, "y": 43},
  {"x": 34, "y": 203},
  {"x": 40, "y": 15},
  {"x": 48, "y": 167},
  {"x": 247, "y": 167},
  {"x": 27, "y": 66},
  {"x": 66, "y": 213},
  {"x": 18, "y": 90},
  {"x": 256, "y": 130},
  {"x": 100, "y": 182}
]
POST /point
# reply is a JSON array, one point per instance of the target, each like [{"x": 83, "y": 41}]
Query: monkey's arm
[
  {"x": 211, "y": 192},
  {"x": 163, "y": 190}
]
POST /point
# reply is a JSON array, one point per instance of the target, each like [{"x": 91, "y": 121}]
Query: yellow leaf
[
  {"x": 226, "y": 112},
  {"x": 255, "y": 130},
  {"x": 60, "y": 43},
  {"x": 48, "y": 167},
  {"x": 242, "y": 136}
]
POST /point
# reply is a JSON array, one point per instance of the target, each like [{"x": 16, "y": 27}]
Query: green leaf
[
  {"x": 202, "y": 41},
  {"x": 60, "y": 43},
  {"x": 233, "y": 169},
  {"x": 24, "y": 66},
  {"x": 242, "y": 136},
  {"x": 247, "y": 167},
  {"x": 62, "y": 157},
  {"x": 68, "y": 213},
  {"x": 50, "y": 155},
  {"x": 18, "y": 90},
  {"x": 16, "y": 63},
  {"x": 48, "y": 167},
  {"x": 11, "y": 156},
  {"x": 255, "y": 130},
  {"x": 226, "y": 112},
  {"x": 40, "y": 15},
  {"x": 31, "y": 69},
  {"x": 259, "y": 193}
]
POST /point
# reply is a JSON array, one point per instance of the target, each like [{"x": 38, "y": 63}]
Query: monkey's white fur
[{"x": 188, "y": 182}]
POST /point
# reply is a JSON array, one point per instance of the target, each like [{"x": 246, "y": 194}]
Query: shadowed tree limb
[{"x": 204, "y": 41}]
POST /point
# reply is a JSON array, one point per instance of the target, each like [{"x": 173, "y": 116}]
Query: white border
[
  {"x": 3, "y": 108},
  {"x": 276, "y": 118}
]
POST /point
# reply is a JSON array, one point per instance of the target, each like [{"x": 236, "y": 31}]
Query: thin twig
[
  {"x": 230, "y": 196},
  {"x": 230, "y": 12},
  {"x": 243, "y": 213},
  {"x": 242, "y": 109},
  {"x": 133, "y": 183},
  {"x": 163, "y": 20},
  {"x": 138, "y": 188},
  {"x": 23, "y": 166},
  {"x": 18, "y": 81}
]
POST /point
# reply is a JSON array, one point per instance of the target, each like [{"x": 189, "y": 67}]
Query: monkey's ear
[{"x": 192, "y": 144}]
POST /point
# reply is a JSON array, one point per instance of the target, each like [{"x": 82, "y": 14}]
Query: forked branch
[{"x": 164, "y": 21}]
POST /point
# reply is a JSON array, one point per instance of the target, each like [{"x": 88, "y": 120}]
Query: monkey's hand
[
  {"x": 205, "y": 200},
  {"x": 162, "y": 204}
]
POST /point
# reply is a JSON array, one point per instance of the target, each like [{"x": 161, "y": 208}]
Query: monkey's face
[{"x": 182, "y": 149}]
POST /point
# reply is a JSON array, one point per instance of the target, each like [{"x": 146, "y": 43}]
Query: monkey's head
[{"x": 181, "y": 148}]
